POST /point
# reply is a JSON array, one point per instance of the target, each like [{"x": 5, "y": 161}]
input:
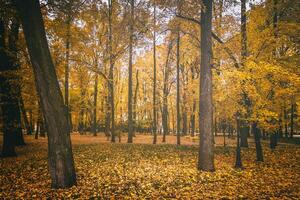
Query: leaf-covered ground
[{"x": 139, "y": 171}]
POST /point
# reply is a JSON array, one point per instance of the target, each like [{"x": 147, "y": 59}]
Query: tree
[
  {"x": 178, "y": 78},
  {"x": 61, "y": 163},
  {"x": 130, "y": 121},
  {"x": 244, "y": 53},
  {"x": 111, "y": 119},
  {"x": 206, "y": 149},
  {"x": 166, "y": 93},
  {"x": 154, "y": 123}
]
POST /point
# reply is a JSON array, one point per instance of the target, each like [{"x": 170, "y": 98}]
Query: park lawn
[{"x": 138, "y": 171}]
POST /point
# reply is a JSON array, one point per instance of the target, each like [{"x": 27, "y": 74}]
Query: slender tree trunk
[
  {"x": 165, "y": 94},
  {"x": 178, "y": 79},
  {"x": 130, "y": 120},
  {"x": 61, "y": 163},
  {"x": 38, "y": 123},
  {"x": 292, "y": 120},
  {"x": 244, "y": 129},
  {"x": 193, "y": 117},
  {"x": 206, "y": 151},
  {"x": 25, "y": 118},
  {"x": 31, "y": 123},
  {"x": 224, "y": 137},
  {"x": 95, "y": 106},
  {"x": 135, "y": 102},
  {"x": 67, "y": 70},
  {"x": 285, "y": 123},
  {"x": 238, "y": 158},
  {"x": 154, "y": 78},
  {"x": 111, "y": 97}
]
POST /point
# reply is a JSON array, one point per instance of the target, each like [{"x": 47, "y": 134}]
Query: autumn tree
[{"x": 61, "y": 163}]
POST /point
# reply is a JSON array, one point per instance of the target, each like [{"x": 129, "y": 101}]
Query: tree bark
[
  {"x": 95, "y": 106},
  {"x": 244, "y": 132},
  {"x": 178, "y": 79},
  {"x": 244, "y": 129},
  {"x": 130, "y": 120},
  {"x": 111, "y": 119},
  {"x": 206, "y": 151},
  {"x": 111, "y": 102},
  {"x": 67, "y": 54},
  {"x": 165, "y": 94},
  {"x": 61, "y": 163},
  {"x": 135, "y": 102},
  {"x": 154, "y": 78},
  {"x": 8, "y": 97},
  {"x": 257, "y": 135},
  {"x": 238, "y": 158},
  {"x": 25, "y": 118},
  {"x": 292, "y": 119}
]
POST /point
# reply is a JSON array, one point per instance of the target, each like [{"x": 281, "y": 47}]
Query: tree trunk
[
  {"x": 257, "y": 135},
  {"x": 273, "y": 141},
  {"x": 238, "y": 158},
  {"x": 206, "y": 151},
  {"x": 130, "y": 120},
  {"x": 135, "y": 102},
  {"x": 178, "y": 79},
  {"x": 9, "y": 101},
  {"x": 154, "y": 78},
  {"x": 193, "y": 120},
  {"x": 111, "y": 119},
  {"x": 95, "y": 106},
  {"x": 15, "y": 66},
  {"x": 31, "y": 123},
  {"x": 244, "y": 129},
  {"x": 224, "y": 137},
  {"x": 25, "y": 118},
  {"x": 244, "y": 132},
  {"x": 67, "y": 70},
  {"x": 165, "y": 94},
  {"x": 285, "y": 123},
  {"x": 61, "y": 163},
  {"x": 292, "y": 120}
]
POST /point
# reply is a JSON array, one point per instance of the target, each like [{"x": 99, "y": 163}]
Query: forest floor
[{"x": 163, "y": 171}]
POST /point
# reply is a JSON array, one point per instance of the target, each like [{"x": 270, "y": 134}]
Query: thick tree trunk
[
  {"x": 154, "y": 79},
  {"x": 9, "y": 100},
  {"x": 61, "y": 164},
  {"x": 130, "y": 120},
  {"x": 95, "y": 105},
  {"x": 257, "y": 135},
  {"x": 206, "y": 151},
  {"x": 273, "y": 140},
  {"x": 244, "y": 131}
]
